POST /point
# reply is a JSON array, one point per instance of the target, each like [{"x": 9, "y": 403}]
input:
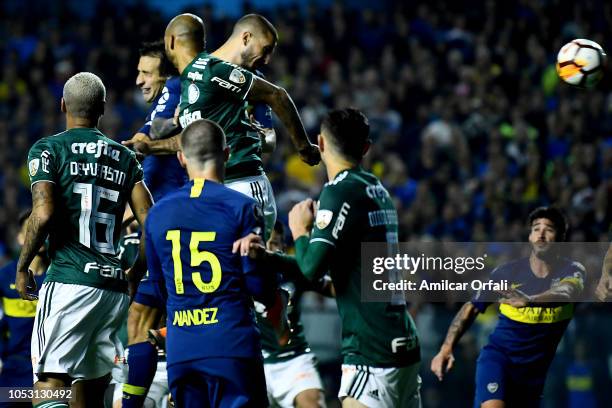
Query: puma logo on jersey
[
  {"x": 97, "y": 149},
  {"x": 224, "y": 84}
]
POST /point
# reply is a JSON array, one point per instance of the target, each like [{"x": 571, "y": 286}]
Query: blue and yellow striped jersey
[
  {"x": 531, "y": 334},
  {"x": 18, "y": 319}
]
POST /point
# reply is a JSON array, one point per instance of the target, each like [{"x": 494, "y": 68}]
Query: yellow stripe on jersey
[
  {"x": 535, "y": 315},
  {"x": 134, "y": 389},
  {"x": 19, "y": 307},
  {"x": 578, "y": 282},
  {"x": 579, "y": 383},
  {"x": 196, "y": 189}
]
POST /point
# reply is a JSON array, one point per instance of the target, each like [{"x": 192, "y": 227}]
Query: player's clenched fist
[
  {"x": 301, "y": 218},
  {"x": 310, "y": 154}
]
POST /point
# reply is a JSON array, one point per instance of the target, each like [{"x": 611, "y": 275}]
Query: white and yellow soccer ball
[{"x": 581, "y": 63}]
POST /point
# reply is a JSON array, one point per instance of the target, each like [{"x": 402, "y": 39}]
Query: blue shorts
[
  {"x": 148, "y": 294},
  {"x": 497, "y": 378},
  {"x": 218, "y": 382},
  {"x": 17, "y": 372}
]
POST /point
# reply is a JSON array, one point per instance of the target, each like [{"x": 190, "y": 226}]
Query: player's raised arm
[
  {"x": 282, "y": 104},
  {"x": 444, "y": 360},
  {"x": 37, "y": 229},
  {"x": 140, "y": 203}
]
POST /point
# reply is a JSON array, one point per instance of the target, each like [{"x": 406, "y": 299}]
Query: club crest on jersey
[
  {"x": 193, "y": 93},
  {"x": 33, "y": 166},
  {"x": 324, "y": 217},
  {"x": 492, "y": 387},
  {"x": 237, "y": 76}
]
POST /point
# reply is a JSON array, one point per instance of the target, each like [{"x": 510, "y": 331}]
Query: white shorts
[
  {"x": 75, "y": 330},
  {"x": 259, "y": 188},
  {"x": 158, "y": 393},
  {"x": 382, "y": 387},
  {"x": 285, "y": 380}
]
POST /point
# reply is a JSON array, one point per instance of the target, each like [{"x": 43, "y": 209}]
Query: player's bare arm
[
  {"x": 282, "y": 104},
  {"x": 162, "y": 128},
  {"x": 36, "y": 232},
  {"x": 147, "y": 146},
  {"x": 444, "y": 360},
  {"x": 140, "y": 203},
  {"x": 604, "y": 287}
]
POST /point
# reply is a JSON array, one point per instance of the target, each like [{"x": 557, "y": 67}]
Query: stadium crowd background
[{"x": 471, "y": 130}]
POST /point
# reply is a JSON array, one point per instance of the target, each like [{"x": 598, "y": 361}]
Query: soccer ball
[{"x": 581, "y": 63}]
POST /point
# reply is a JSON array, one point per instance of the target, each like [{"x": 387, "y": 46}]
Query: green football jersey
[
  {"x": 216, "y": 90},
  {"x": 94, "y": 177},
  {"x": 297, "y": 344},
  {"x": 128, "y": 250},
  {"x": 355, "y": 208}
]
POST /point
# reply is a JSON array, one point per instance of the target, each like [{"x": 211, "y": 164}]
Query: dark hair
[
  {"x": 555, "y": 215},
  {"x": 349, "y": 130},
  {"x": 203, "y": 140},
  {"x": 23, "y": 217},
  {"x": 258, "y": 22},
  {"x": 156, "y": 49}
]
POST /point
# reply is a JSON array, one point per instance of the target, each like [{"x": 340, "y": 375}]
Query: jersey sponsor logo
[
  {"x": 341, "y": 219},
  {"x": 224, "y": 84},
  {"x": 187, "y": 117},
  {"x": 107, "y": 271},
  {"x": 33, "y": 166},
  {"x": 377, "y": 192},
  {"x": 492, "y": 387},
  {"x": 324, "y": 217},
  {"x": 197, "y": 317},
  {"x": 237, "y": 76},
  {"x": 44, "y": 160},
  {"x": 97, "y": 149},
  {"x": 193, "y": 93},
  {"x": 195, "y": 76},
  {"x": 403, "y": 343}
]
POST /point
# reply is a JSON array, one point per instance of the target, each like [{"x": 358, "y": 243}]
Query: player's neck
[
  {"x": 184, "y": 59},
  {"x": 227, "y": 53},
  {"x": 336, "y": 166},
  {"x": 540, "y": 267},
  {"x": 72, "y": 122},
  {"x": 216, "y": 174}
]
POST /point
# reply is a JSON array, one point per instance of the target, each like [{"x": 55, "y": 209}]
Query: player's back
[
  {"x": 209, "y": 309},
  {"x": 215, "y": 89},
  {"x": 93, "y": 177},
  {"x": 356, "y": 208}
]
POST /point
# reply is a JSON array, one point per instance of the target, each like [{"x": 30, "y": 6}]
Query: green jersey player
[
  {"x": 379, "y": 342},
  {"x": 219, "y": 87},
  {"x": 81, "y": 181}
]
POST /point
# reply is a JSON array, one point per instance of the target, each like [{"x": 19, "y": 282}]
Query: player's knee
[
  {"x": 141, "y": 318},
  {"x": 312, "y": 398}
]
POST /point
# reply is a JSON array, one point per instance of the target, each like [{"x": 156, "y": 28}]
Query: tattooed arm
[
  {"x": 37, "y": 230},
  {"x": 444, "y": 360},
  {"x": 140, "y": 203}
]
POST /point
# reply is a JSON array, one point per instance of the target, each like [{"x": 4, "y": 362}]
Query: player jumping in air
[
  {"x": 213, "y": 346},
  {"x": 511, "y": 369},
  {"x": 219, "y": 87},
  {"x": 81, "y": 181}
]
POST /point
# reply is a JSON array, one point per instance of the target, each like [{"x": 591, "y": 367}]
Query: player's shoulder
[
  {"x": 351, "y": 183},
  {"x": 50, "y": 141},
  {"x": 173, "y": 84},
  {"x": 570, "y": 265}
]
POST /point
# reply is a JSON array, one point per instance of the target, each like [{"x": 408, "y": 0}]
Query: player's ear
[
  {"x": 181, "y": 158},
  {"x": 366, "y": 147},
  {"x": 226, "y": 153},
  {"x": 63, "y": 105},
  {"x": 320, "y": 142},
  {"x": 246, "y": 36}
]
